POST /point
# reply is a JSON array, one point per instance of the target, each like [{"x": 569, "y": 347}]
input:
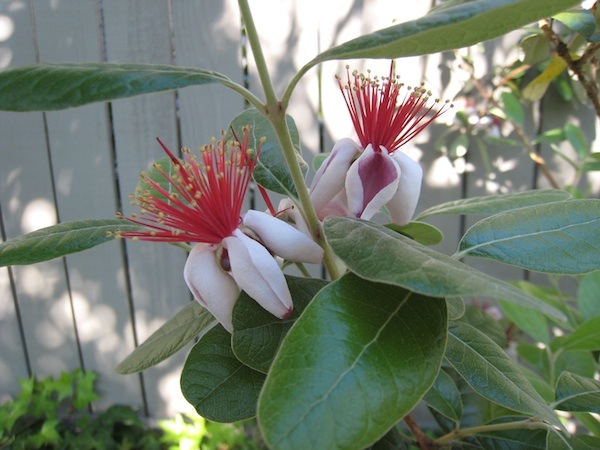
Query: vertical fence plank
[
  {"x": 139, "y": 31},
  {"x": 26, "y": 189},
  {"x": 79, "y": 140}
]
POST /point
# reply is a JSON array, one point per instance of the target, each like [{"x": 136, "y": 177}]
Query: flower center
[
  {"x": 384, "y": 112},
  {"x": 196, "y": 199}
]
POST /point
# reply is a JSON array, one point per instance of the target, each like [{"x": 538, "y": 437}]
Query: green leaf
[
  {"x": 271, "y": 171},
  {"x": 392, "y": 440},
  {"x": 553, "y": 135},
  {"x": 581, "y": 21},
  {"x": 444, "y": 397},
  {"x": 166, "y": 165},
  {"x": 536, "y": 49},
  {"x": 257, "y": 334},
  {"x": 216, "y": 383},
  {"x": 421, "y": 232},
  {"x": 478, "y": 318},
  {"x": 59, "y": 240},
  {"x": 516, "y": 439},
  {"x": 378, "y": 254},
  {"x": 587, "y": 295},
  {"x": 557, "y": 441},
  {"x": 540, "y": 385},
  {"x": 447, "y": 29},
  {"x": 513, "y": 108},
  {"x": 191, "y": 321},
  {"x": 592, "y": 162},
  {"x": 46, "y": 87},
  {"x": 493, "y": 204},
  {"x": 492, "y": 373},
  {"x": 559, "y": 237},
  {"x": 585, "y": 337},
  {"x": 577, "y": 139},
  {"x": 319, "y": 159},
  {"x": 577, "y": 393},
  {"x": 456, "y": 307},
  {"x": 531, "y": 322},
  {"x": 359, "y": 358}
]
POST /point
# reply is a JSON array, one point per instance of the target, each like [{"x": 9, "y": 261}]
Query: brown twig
[
  {"x": 576, "y": 65},
  {"x": 423, "y": 441}
]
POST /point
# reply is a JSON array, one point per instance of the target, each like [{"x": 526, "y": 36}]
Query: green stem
[
  {"x": 249, "y": 96},
  {"x": 529, "y": 424},
  {"x": 275, "y": 113},
  {"x": 290, "y": 89}
]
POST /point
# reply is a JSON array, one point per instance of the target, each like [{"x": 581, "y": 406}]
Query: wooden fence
[{"x": 90, "y": 309}]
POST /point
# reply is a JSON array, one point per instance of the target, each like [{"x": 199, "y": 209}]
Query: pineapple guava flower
[
  {"x": 359, "y": 179},
  {"x": 199, "y": 200}
]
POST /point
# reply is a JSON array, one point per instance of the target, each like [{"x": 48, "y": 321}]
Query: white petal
[
  {"x": 212, "y": 287},
  {"x": 337, "y": 207},
  {"x": 283, "y": 239},
  {"x": 371, "y": 182},
  {"x": 287, "y": 206},
  {"x": 402, "y": 206},
  {"x": 330, "y": 178},
  {"x": 257, "y": 273}
]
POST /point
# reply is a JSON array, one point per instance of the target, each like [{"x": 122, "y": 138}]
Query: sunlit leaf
[
  {"x": 60, "y": 240},
  {"x": 421, "y": 232},
  {"x": 45, "y": 87},
  {"x": 493, "y": 204},
  {"x": 447, "y": 29},
  {"x": 559, "y": 237},
  {"x": 379, "y": 254}
]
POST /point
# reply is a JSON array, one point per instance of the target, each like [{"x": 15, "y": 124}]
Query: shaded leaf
[
  {"x": 513, "y": 108},
  {"x": 577, "y": 139},
  {"x": 592, "y": 162},
  {"x": 216, "y": 383},
  {"x": 421, "y": 232},
  {"x": 585, "y": 337},
  {"x": 492, "y": 373},
  {"x": 588, "y": 295},
  {"x": 493, "y": 204},
  {"x": 444, "y": 397},
  {"x": 46, "y": 87},
  {"x": 582, "y": 21},
  {"x": 191, "y": 321},
  {"x": 531, "y": 322},
  {"x": 559, "y": 237},
  {"x": 536, "y": 49},
  {"x": 59, "y": 240},
  {"x": 517, "y": 439},
  {"x": 447, "y": 29},
  {"x": 271, "y": 171},
  {"x": 480, "y": 319},
  {"x": 378, "y": 254},
  {"x": 577, "y": 393},
  {"x": 358, "y": 359},
  {"x": 257, "y": 334}
]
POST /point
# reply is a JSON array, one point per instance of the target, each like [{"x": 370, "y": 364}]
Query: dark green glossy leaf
[
  {"x": 559, "y": 237},
  {"x": 587, "y": 295},
  {"x": 493, "y": 204},
  {"x": 444, "y": 397},
  {"x": 577, "y": 393},
  {"x": 518, "y": 439},
  {"x": 216, "y": 383},
  {"x": 358, "y": 359},
  {"x": 421, "y": 232},
  {"x": 379, "y": 254},
  {"x": 271, "y": 172},
  {"x": 447, "y": 29},
  {"x": 391, "y": 441},
  {"x": 585, "y": 337},
  {"x": 191, "y": 321},
  {"x": 492, "y": 373},
  {"x": 60, "y": 240},
  {"x": 45, "y": 87},
  {"x": 257, "y": 333}
]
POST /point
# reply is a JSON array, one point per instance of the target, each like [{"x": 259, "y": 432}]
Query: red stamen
[
  {"x": 380, "y": 118},
  {"x": 202, "y": 200}
]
